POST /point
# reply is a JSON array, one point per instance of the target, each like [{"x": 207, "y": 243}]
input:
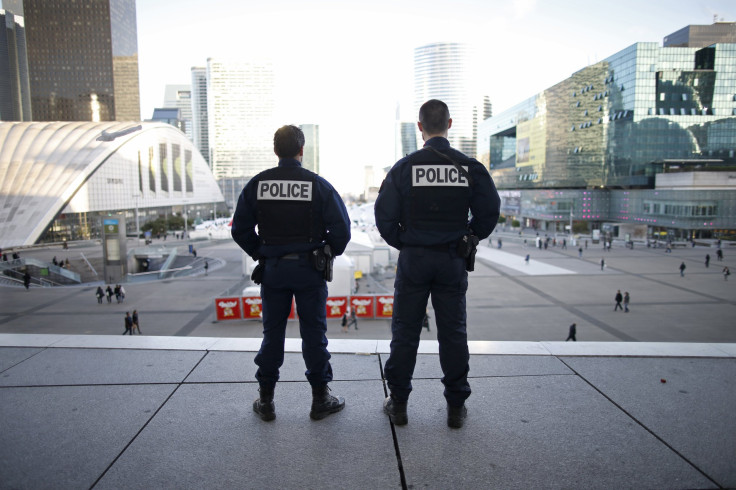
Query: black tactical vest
[
  {"x": 439, "y": 198},
  {"x": 286, "y": 208}
]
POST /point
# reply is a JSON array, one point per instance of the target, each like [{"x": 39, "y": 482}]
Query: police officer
[
  {"x": 299, "y": 215},
  {"x": 423, "y": 210}
]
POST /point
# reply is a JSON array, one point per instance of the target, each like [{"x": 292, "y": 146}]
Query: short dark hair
[
  {"x": 434, "y": 116},
  {"x": 288, "y": 141}
]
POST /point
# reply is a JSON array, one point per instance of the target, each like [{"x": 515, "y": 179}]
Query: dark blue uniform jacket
[
  {"x": 484, "y": 200},
  {"x": 327, "y": 204}
]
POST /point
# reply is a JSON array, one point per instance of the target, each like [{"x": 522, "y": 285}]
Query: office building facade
[
  {"x": 596, "y": 144},
  {"x": 446, "y": 71},
  {"x": 200, "y": 122},
  {"x": 82, "y": 60},
  {"x": 15, "y": 91},
  {"x": 180, "y": 97},
  {"x": 240, "y": 112},
  {"x": 310, "y": 161}
]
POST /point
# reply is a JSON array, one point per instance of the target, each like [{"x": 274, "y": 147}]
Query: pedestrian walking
[
  {"x": 603, "y": 263},
  {"x": 619, "y": 298},
  {"x": 726, "y": 273},
  {"x": 122, "y": 294},
  {"x": 580, "y": 252},
  {"x": 526, "y": 259},
  {"x": 294, "y": 223},
  {"x": 353, "y": 319},
  {"x": 425, "y": 321},
  {"x": 436, "y": 225},
  {"x": 206, "y": 267},
  {"x": 586, "y": 244},
  {"x": 136, "y": 324},
  {"x": 109, "y": 294},
  {"x": 627, "y": 298},
  {"x": 100, "y": 294},
  {"x": 128, "y": 324},
  {"x": 117, "y": 293},
  {"x": 345, "y": 322},
  {"x": 719, "y": 254},
  {"x": 682, "y": 269},
  {"x": 571, "y": 333},
  {"x": 27, "y": 280},
  {"x": 707, "y": 260}
]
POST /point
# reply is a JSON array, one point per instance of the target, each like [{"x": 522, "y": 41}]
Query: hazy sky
[{"x": 345, "y": 64}]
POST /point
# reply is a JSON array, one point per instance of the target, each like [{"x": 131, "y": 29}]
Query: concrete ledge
[{"x": 365, "y": 346}]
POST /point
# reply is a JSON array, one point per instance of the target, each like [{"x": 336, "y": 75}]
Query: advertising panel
[
  {"x": 384, "y": 306},
  {"x": 252, "y": 307},
  {"x": 363, "y": 306},
  {"x": 228, "y": 309},
  {"x": 337, "y": 306}
]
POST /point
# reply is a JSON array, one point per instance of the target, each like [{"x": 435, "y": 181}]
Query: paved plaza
[
  {"x": 508, "y": 300},
  {"x": 643, "y": 400}
]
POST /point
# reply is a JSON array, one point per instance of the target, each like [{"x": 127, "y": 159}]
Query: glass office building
[
  {"x": 602, "y": 137},
  {"x": 83, "y": 60},
  {"x": 15, "y": 91}
]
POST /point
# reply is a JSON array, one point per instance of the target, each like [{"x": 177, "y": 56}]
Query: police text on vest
[
  {"x": 285, "y": 190},
  {"x": 437, "y": 175}
]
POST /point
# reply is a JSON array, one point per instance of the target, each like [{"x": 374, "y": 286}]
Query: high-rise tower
[
  {"x": 180, "y": 97},
  {"x": 445, "y": 71},
  {"x": 82, "y": 60},
  {"x": 15, "y": 92},
  {"x": 310, "y": 161},
  {"x": 240, "y": 111},
  {"x": 200, "y": 123}
]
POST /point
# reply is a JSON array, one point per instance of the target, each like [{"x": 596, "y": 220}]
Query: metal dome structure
[{"x": 48, "y": 169}]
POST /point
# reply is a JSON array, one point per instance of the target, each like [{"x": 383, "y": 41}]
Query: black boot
[
  {"x": 323, "y": 403},
  {"x": 396, "y": 411},
  {"x": 456, "y": 416},
  {"x": 264, "y": 405}
]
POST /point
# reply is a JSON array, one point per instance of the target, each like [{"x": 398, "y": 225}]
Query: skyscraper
[
  {"x": 82, "y": 59},
  {"x": 15, "y": 91},
  {"x": 445, "y": 71},
  {"x": 240, "y": 111},
  {"x": 200, "y": 123},
  {"x": 311, "y": 147},
  {"x": 180, "y": 97}
]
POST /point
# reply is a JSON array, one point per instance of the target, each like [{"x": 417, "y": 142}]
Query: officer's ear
[
  {"x": 449, "y": 123},
  {"x": 419, "y": 125},
  {"x": 301, "y": 151}
]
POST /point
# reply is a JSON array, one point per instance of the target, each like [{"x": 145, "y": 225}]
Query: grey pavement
[
  {"x": 506, "y": 300},
  {"x": 96, "y": 411}
]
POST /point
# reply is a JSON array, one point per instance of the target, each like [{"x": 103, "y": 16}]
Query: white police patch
[
  {"x": 284, "y": 190},
  {"x": 437, "y": 175}
]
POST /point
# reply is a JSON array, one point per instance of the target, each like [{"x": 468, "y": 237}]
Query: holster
[
  {"x": 323, "y": 260},
  {"x": 257, "y": 275},
  {"x": 466, "y": 248}
]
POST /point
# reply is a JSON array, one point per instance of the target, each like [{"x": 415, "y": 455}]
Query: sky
[{"x": 345, "y": 65}]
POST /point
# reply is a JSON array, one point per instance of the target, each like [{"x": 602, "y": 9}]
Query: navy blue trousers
[
  {"x": 282, "y": 280},
  {"x": 442, "y": 274}
]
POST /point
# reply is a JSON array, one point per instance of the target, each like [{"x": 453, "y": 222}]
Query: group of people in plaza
[
  {"x": 118, "y": 292},
  {"x": 294, "y": 223},
  {"x": 131, "y": 323}
]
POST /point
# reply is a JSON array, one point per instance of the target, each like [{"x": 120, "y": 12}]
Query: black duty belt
[
  {"x": 442, "y": 247},
  {"x": 293, "y": 256}
]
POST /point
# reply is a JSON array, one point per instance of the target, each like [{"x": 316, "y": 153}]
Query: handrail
[{"x": 88, "y": 264}]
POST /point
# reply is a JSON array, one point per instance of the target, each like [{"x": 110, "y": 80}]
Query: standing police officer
[
  {"x": 422, "y": 210},
  {"x": 300, "y": 217}
]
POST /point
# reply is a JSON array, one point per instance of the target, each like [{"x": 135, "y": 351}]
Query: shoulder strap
[{"x": 452, "y": 160}]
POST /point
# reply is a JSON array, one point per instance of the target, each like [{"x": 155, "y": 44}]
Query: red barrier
[
  {"x": 252, "y": 307},
  {"x": 363, "y": 306},
  {"x": 337, "y": 306},
  {"x": 384, "y": 306},
  {"x": 228, "y": 309}
]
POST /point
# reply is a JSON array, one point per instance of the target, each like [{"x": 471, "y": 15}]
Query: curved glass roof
[{"x": 43, "y": 166}]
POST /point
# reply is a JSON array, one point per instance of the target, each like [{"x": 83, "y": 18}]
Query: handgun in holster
[
  {"x": 466, "y": 248},
  {"x": 323, "y": 261},
  {"x": 257, "y": 275}
]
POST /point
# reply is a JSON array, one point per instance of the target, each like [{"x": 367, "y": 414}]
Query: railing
[
  {"x": 89, "y": 265},
  {"x": 16, "y": 263}
]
